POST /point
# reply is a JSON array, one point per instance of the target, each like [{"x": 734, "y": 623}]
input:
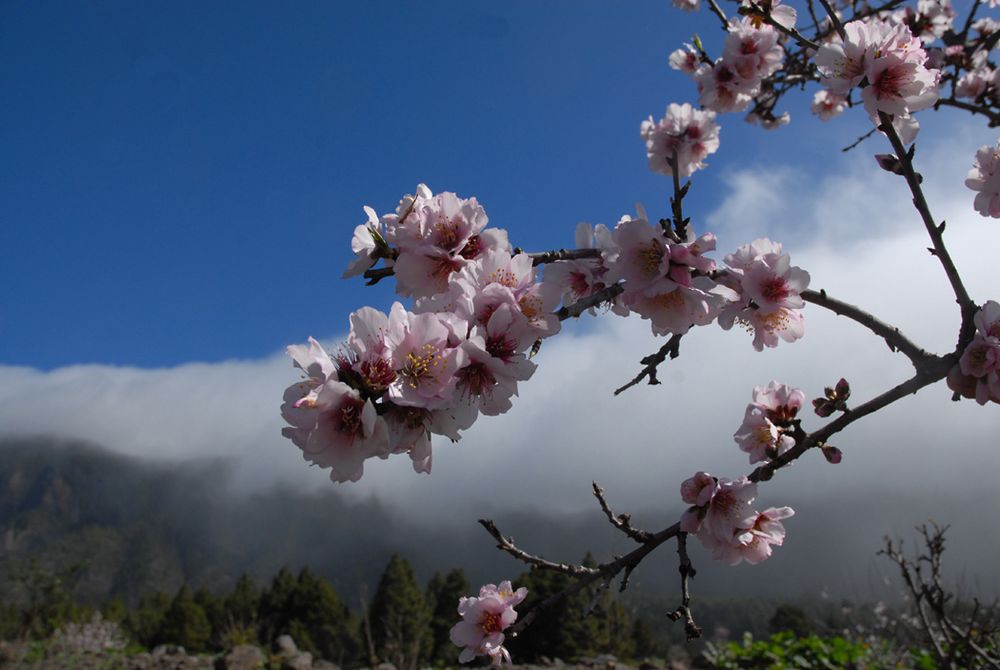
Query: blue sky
[{"x": 179, "y": 181}]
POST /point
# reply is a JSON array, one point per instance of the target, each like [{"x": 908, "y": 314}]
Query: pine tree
[
  {"x": 185, "y": 623},
  {"x": 274, "y": 609},
  {"x": 399, "y": 617},
  {"x": 240, "y": 613},
  {"x": 443, "y": 593},
  {"x": 321, "y": 623},
  {"x": 145, "y": 621}
]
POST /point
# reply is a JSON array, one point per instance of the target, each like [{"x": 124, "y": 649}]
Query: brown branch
[
  {"x": 375, "y": 275},
  {"x": 859, "y": 140},
  {"x": 538, "y": 258},
  {"x": 691, "y": 630},
  {"x": 603, "y": 571},
  {"x": 622, "y": 522},
  {"x": 891, "y": 334},
  {"x": 834, "y": 19},
  {"x": 766, "y": 17},
  {"x": 940, "y": 250},
  {"x": 671, "y": 348},
  {"x": 507, "y": 545},
  {"x": 934, "y": 371},
  {"x": 994, "y": 117},
  {"x": 606, "y": 294},
  {"x": 714, "y": 6}
]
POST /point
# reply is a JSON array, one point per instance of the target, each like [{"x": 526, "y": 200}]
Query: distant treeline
[{"x": 403, "y": 623}]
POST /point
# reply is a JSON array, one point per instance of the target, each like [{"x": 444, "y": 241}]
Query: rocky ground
[{"x": 25, "y": 656}]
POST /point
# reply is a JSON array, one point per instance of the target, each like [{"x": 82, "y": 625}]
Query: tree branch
[
  {"x": 622, "y": 522},
  {"x": 891, "y": 334},
  {"x": 671, "y": 348},
  {"x": 913, "y": 181}
]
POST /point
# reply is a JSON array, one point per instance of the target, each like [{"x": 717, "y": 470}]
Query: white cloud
[{"x": 567, "y": 428}]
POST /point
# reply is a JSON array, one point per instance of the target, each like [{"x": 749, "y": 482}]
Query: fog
[{"x": 567, "y": 428}]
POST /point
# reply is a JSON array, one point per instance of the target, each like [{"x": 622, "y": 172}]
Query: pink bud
[{"x": 832, "y": 454}]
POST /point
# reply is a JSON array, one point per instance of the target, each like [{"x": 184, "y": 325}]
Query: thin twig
[
  {"x": 859, "y": 140},
  {"x": 714, "y": 6},
  {"x": 933, "y": 230},
  {"x": 671, "y": 348},
  {"x": 538, "y": 258},
  {"x": 691, "y": 629},
  {"x": 606, "y": 294},
  {"x": 507, "y": 544},
  {"x": 834, "y": 19},
  {"x": 891, "y": 334},
  {"x": 622, "y": 522},
  {"x": 766, "y": 17},
  {"x": 375, "y": 275},
  {"x": 629, "y": 560},
  {"x": 994, "y": 117}
]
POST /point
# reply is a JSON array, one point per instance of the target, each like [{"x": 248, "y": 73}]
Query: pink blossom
[
  {"x": 729, "y": 511},
  {"x": 827, "y": 104},
  {"x": 752, "y": 49},
  {"x": 687, "y": 5},
  {"x": 685, "y": 60},
  {"x": 484, "y": 618},
  {"x": 699, "y": 489},
  {"x": 842, "y": 64},
  {"x": 760, "y": 438},
  {"x": 783, "y": 15},
  {"x": 722, "y": 89},
  {"x": 423, "y": 359},
  {"x": 981, "y": 359},
  {"x": 767, "y": 329},
  {"x": 899, "y": 86},
  {"x": 363, "y": 244},
  {"x": 773, "y": 283},
  {"x": 344, "y": 432},
  {"x": 752, "y": 544},
  {"x": 692, "y": 133},
  {"x": 984, "y": 177}
]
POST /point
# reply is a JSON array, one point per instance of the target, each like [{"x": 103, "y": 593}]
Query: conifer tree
[
  {"x": 185, "y": 623},
  {"x": 399, "y": 617},
  {"x": 321, "y": 623},
  {"x": 274, "y": 611},
  {"x": 145, "y": 621},
  {"x": 240, "y": 613},
  {"x": 443, "y": 593}
]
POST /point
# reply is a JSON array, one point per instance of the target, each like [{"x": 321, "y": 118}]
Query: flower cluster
[
  {"x": 892, "y": 63},
  {"x": 752, "y": 52},
  {"x": 665, "y": 280},
  {"x": 484, "y": 618},
  {"x": 459, "y": 353},
  {"x": 764, "y": 433},
  {"x": 770, "y": 288},
  {"x": 721, "y": 516},
  {"x": 978, "y": 371},
  {"x": 691, "y": 133},
  {"x": 984, "y": 178}
]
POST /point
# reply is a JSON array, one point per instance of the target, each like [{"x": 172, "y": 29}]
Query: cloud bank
[{"x": 567, "y": 428}]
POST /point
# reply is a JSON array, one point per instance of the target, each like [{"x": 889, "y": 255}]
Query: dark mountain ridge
[{"x": 135, "y": 526}]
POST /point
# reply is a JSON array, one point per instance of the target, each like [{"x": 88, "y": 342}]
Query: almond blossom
[
  {"x": 981, "y": 358},
  {"x": 691, "y": 133},
  {"x": 685, "y": 60},
  {"x": 722, "y": 518},
  {"x": 827, "y": 104},
  {"x": 767, "y": 421},
  {"x": 363, "y": 244},
  {"x": 484, "y": 618},
  {"x": 984, "y": 178}
]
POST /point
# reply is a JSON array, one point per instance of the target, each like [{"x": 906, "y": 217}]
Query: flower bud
[{"x": 832, "y": 454}]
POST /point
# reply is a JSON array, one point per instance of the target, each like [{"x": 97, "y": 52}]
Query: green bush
[{"x": 786, "y": 650}]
